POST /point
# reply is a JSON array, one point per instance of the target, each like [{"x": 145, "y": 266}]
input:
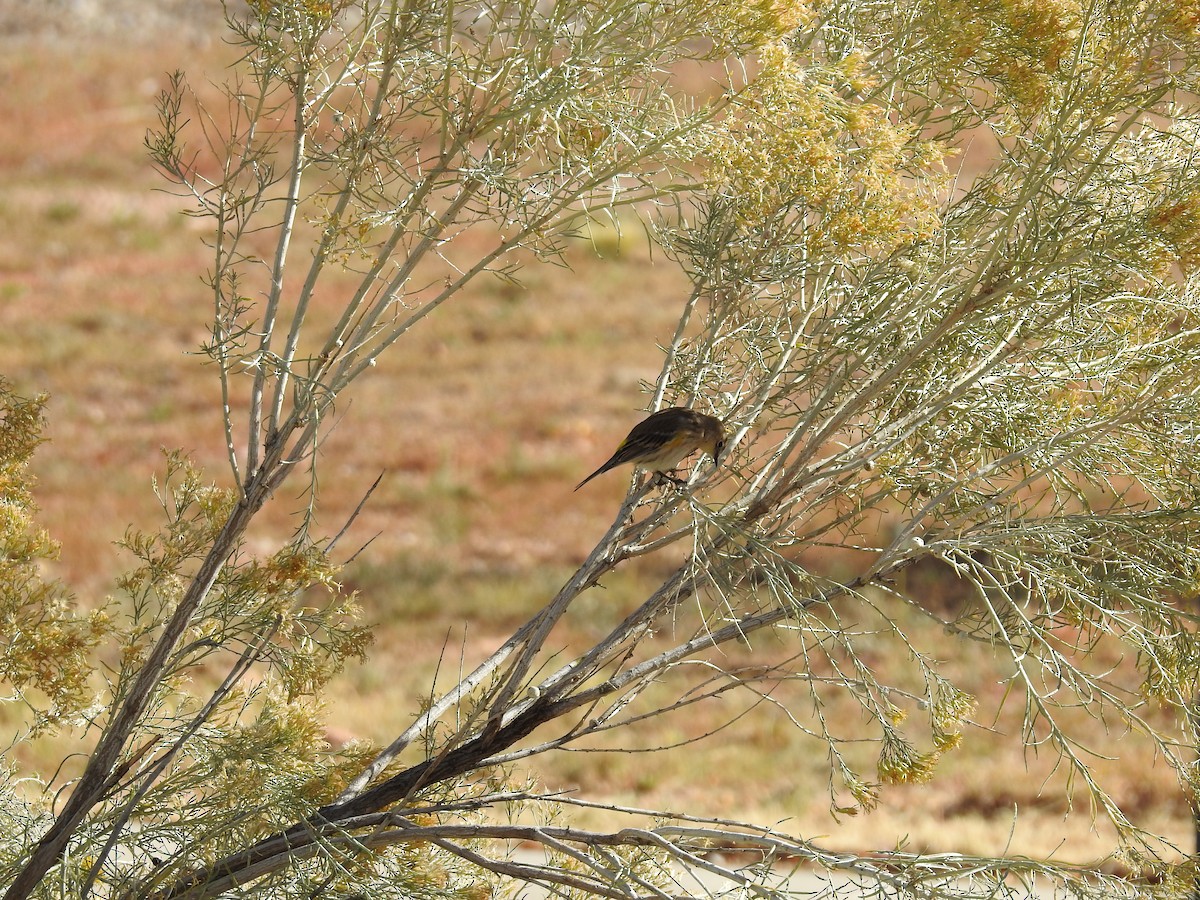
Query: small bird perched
[{"x": 663, "y": 439}]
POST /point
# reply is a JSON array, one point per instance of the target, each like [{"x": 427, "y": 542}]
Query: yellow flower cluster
[
  {"x": 736, "y": 27},
  {"x": 312, "y": 9},
  {"x": 949, "y": 709},
  {"x": 799, "y": 152},
  {"x": 46, "y": 644},
  {"x": 1178, "y": 225},
  {"x": 901, "y": 763},
  {"x": 1183, "y": 18},
  {"x": 1016, "y": 44}
]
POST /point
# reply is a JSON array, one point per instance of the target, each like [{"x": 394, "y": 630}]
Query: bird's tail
[{"x": 600, "y": 471}]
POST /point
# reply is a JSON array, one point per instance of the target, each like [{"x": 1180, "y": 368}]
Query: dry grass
[{"x": 483, "y": 421}]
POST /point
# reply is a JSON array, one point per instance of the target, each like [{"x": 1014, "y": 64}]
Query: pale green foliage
[
  {"x": 1007, "y": 382},
  {"x": 211, "y": 767},
  {"x": 250, "y": 597},
  {"x": 383, "y": 132},
  {"x": 408, "y": 126},
  {"x": 996, "y": 370}
]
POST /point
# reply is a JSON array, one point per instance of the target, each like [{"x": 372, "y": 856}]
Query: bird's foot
[{"x": 664, "y": 477}]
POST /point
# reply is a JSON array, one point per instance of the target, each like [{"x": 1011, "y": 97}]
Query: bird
[{"x": 663, "y": 439}]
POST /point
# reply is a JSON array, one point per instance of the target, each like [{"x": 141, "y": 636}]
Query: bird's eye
[{"x": 717, "y": 448}]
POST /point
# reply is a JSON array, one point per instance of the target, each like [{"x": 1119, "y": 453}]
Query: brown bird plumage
[{"x": 662, "y": 440}]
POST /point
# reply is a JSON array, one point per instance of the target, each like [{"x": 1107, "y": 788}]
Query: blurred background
[{"x": 482, "y": 421}]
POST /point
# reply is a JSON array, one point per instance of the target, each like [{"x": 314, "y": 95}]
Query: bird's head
[{"x": 714, "y": 438}]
